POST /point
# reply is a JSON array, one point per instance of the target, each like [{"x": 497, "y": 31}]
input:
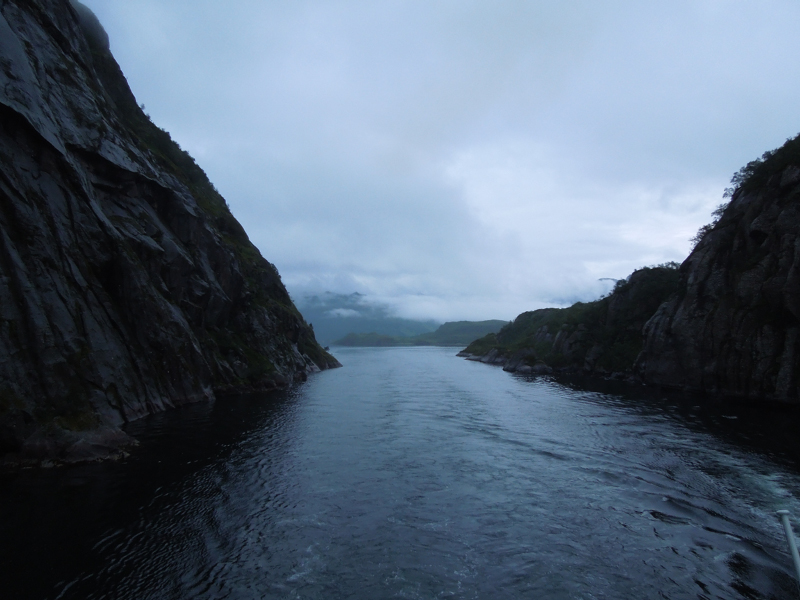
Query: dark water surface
[{"x": 411, "y": 473}]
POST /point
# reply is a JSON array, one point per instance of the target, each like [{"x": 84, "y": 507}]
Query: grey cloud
[{"x": 465, "y": 159}]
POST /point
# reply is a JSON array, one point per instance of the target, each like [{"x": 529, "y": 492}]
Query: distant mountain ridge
[
  {"x": 454, "y": 333},
  {"x": 336, "y": 315}
]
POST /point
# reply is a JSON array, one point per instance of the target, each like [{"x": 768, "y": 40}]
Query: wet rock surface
[{"x": 126, "y": 286}]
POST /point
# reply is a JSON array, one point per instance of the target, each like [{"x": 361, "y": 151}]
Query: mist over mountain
[
  {"x": 454, "y": 333},
  {"x": 333, "y": 316}
]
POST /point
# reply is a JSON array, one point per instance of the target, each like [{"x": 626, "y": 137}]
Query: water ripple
[{"x": 413, "y": 474}]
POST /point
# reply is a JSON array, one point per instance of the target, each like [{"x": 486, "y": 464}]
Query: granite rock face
[
  {"x": 732, "y": 329},
  {"x": 126, "y": 286}
]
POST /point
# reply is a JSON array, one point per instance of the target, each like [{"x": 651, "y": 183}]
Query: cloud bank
[{"x": 464, "y": 159}]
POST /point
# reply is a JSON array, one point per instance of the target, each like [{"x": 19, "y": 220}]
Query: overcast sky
[{"x": 462, "y": 159}]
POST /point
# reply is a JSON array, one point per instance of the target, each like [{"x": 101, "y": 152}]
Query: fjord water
[{"x": 411, "y": 473}]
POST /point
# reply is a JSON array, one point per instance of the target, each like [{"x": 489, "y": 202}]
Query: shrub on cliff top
[{"x": 752, "y": 176}]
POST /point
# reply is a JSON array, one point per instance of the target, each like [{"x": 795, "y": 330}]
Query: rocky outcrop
[
  {"x": 734, "y": 327},
  {"x": 126, "y": 286},
  {"x": 601, "y": 337}
]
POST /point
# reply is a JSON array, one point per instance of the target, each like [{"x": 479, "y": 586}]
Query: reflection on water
[{"x": 411, "y": 473}]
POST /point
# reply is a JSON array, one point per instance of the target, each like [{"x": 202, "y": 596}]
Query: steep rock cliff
[
  {"x": 126, "y": 286},
  {"x": 733, "y": 327}
]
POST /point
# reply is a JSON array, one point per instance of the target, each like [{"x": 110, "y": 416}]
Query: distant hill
[
  {"x": 333, "y": 316},
  {"x": 455, "y": 333}
]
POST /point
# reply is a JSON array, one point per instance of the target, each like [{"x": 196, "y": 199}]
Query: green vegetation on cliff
[
  {"x": 753, "y": 176},
  {"x": 604, "y": 335},
  {"x": 756, "y": 173}
]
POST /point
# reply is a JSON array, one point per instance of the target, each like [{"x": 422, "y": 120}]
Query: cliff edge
[{"x": 126, "y": 285}]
